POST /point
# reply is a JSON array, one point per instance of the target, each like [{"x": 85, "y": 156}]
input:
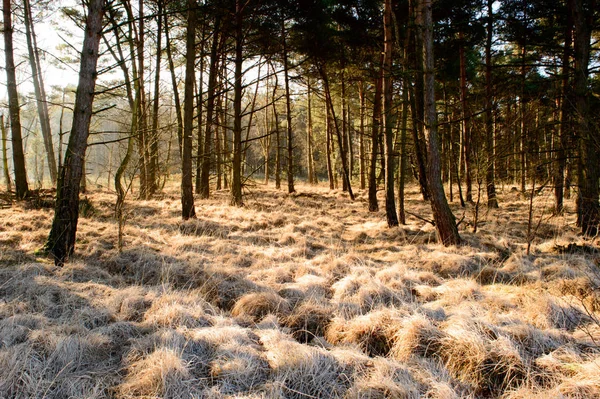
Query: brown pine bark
[
  {"x": 361, "y": 139},
  {"x": 21, "y": 186},
  {"x": 187, "y": 194},
  {"x": 465, "y": 148},
  {"x": 176, "y": 99},
  {"x": 61, "y": 240},
  {"x": 154, "y": 135},
  {"x": 373, "y": 203},
  {"x": 310, "y": 163},
  {"x": 489, "y": 120},
  {"x": 204, "y": 188},
  {"x": 7, "y": 181},
  {"x": 388, "y": 120},
  {"x": 288, "y": 107},
  {"x": 40, "y": 92},
  {"x": 442, "y": 215},
  {"x": 236, "y": 180},
  {"x": 588, "y": 208}
]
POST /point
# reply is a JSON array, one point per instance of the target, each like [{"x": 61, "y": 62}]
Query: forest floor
[{"x": 299, "y": 296}]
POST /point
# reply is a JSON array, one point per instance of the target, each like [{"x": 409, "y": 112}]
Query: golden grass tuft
[
  {"x": 309, "y": 320},
  {"x": 373, "y": 333},
  {"x": 418, "y": 336},
  {"x": 257, "y": 305},
  {"x": 179, "y": 309}
]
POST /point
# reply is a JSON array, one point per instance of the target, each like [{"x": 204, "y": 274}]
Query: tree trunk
[
  {"x": 153, "y": 175},
  {"x": 442, "y": 215},
  {"x": 288, "y": 106},
  {"x": 277, "y": 135},
  {"x": 489, "y": 120},
  {"x": 328, "y": 141},
  {"x": 40, "y": 92},
  {"x": 465, "y": 148},
  {"x": 61, "y": 240},
  {"x": 236, "y": 181},
  {"x": 329, "y": 102},
  {"x": 388, "y": 120},
  {"x": 589, "y": 147},
  {"x": 142, "y": 134},
  {"x": 176, "y": 99},
  {"x": 361, "y": 139},
  {"x": 4, "y": 155},
  {"x": 373, "y": 204},
  {"x": 204, "y": 187},
  {"x": 344, "y": 127},
  {"x": 21, "y": 187},
  {"x": 417, "y": 101},
  {"x": 564, "y": 132},
  {"x": 187, "y": 194},
  {"x": 312, "y": 178}
]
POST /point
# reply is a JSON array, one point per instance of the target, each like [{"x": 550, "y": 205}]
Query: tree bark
[
  {"x": 312, "y": 178},
  {"x": 21, "y": 186},
  {"x": 204, "y": 188},
  {"x": 40, "y": 92},
  {"x": 564, "y": 132},
  {"x": 187, "y": 194},
  {"x": 154, "y": 136},
  {"x": 489, "y": 120},
  {"x": 61, "y": 240},
  {"x": 465, "y": 148},
  {"x": 328, "y": 141},
  {"x": 176, "y": 99},
  {"x": 7, "y": 181},
  {"x": 388, "y": 120},
  {"x": 361, "y": 139},
  {"x": 373, "y": 203},
  {"x": 329, "y": 102},
  {"x": 588, "y": 209},
  {"x": 442, "y": 215},
  {"x": 236, "y": 181},
  {"x": 288, "y": 106}
]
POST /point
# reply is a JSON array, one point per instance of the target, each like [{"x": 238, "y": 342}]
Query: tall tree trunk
[
  {"x": 40, "y": 92},
  {"x": 328, "y": 141},
  {"x": 21, "y": 187},
  {"x": 416, "y": 99},
  {"x": 143, "y": 139},
  {"x": 187, "y": 194},
  {"x": 388, "y": 120},
  {"x": 373, "y": 204},
  {"x": 213, "y": 71},
  {"x": 465, "y": 148},
  {"x": 61, "y": 240},
  {"x": 277, "y": 134},
  {"x": 4, "y": 155},
  {"x": 361, "y": 139},
  {"x": 176, "y": 99},
  {"x": 442, "y": 215},
  {"x": 329, "y": 102},
  {"x": 236, "y": 182},
  {"x": 402, "y": 167},
  {"x": 288, "y": 107},
  {"x": 588, "y": 209},
  {"x": 564, "y": 132},
  {"x": 312, "y": 178},
  {"x": 344, "y": 126},
  {"x": 489, "y": 104},
  {"x": 155, "y": 106}
]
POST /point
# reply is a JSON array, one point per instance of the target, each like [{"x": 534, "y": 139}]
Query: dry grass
[{"x": 301, "y": 296}]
